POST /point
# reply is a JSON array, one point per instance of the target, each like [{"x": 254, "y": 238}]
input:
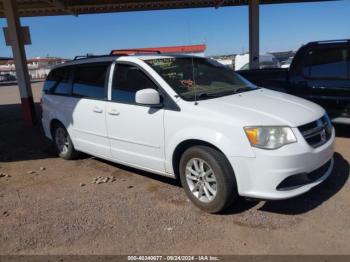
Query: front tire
[
  {"x": 64, "y": 145},
  {"x": 208, "y": 178}
]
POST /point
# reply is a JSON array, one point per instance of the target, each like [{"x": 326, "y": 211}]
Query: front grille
[{"x": 318, "y": 132}]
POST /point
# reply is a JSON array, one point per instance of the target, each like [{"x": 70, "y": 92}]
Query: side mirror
[{"x": 147, "y": 96}]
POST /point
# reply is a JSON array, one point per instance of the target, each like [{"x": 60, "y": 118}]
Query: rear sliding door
[{"x": 89, "y": 92}]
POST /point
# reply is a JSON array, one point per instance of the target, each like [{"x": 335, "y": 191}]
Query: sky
[{"x": 223, "y": 30}]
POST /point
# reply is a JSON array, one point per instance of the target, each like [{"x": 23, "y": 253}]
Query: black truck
[{"x": 320, "y": 72}]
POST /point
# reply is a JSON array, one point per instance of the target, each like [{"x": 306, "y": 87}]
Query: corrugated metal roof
[{"x": 77, "y": 7}]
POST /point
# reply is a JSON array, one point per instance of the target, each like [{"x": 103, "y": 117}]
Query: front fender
[{"x": 234, "y": 145}]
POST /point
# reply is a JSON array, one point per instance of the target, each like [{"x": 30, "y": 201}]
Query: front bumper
[{"x": 260, "y": 176}]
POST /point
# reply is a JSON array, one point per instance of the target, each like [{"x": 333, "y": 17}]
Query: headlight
[{"x": 270, "y": 137}]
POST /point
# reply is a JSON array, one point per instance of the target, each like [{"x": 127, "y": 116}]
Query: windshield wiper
[
  {"x": 232, "y": 92},
  {"x": 237, "y": 91},
  {"x": 205, "y": 94},
  {"x": 244, "y": 89}
]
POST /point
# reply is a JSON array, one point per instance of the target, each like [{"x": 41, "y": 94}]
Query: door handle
[
  {"x": 97, "y": 109},
  {"x": 114, "y": 112}
]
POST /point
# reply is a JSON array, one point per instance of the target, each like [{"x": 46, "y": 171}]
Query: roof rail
[
  {"x": 133, "y": 51},
  {"x": 89, "y": 56},
  {"x": 330, "y": 41},
  {"x": 83, "y": 56},
  {"x": 119, "y": 53}
]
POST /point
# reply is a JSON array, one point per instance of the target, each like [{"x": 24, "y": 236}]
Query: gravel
[
  {"x": 103, "y": 179},
  {"x": 47, "y": 214}
]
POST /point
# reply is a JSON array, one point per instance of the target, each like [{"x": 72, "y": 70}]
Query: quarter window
[
  {"x": 327, "y": 63},
  {"x": 57, "y": 82},
  {"x": 89, "y": 81},
  {"x": 127, "y": 80}
]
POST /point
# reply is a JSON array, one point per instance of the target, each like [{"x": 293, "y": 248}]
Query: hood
[{"x": 265, "y": 107}]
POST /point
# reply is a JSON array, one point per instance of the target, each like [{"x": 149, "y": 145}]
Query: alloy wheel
[
  {"x": 62, "y": 141},
  {"x": 201, "y": 180}
]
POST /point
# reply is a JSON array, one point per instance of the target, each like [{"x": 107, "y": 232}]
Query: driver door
[{"x": 136, "y": 132}]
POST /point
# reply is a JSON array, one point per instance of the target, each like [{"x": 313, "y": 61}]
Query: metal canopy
[
  {"x": 28, "y": 8},
  {"x": 14, "y": 9}
]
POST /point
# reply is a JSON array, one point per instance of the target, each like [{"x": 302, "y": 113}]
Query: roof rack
[
  {"x": 133, "y": 51},
  {"x": 119, "y": 53},
  {"x": 89, "y": 56}
]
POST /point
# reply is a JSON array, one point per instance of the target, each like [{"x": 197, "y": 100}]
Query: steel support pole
[
  {"x": 19, "y": 56},
  {"x": 254, "y": 34}
]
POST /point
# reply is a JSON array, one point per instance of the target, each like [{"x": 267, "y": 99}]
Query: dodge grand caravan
[{"x": 189, "y": 118}]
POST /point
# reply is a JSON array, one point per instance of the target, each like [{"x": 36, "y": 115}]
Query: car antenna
[{"x": 194, "y": 83}]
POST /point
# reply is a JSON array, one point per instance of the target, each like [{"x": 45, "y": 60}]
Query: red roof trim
[{"x": 165, "y": 49}]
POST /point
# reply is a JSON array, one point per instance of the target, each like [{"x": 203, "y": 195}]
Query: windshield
[{"x": 199, "y": 78}]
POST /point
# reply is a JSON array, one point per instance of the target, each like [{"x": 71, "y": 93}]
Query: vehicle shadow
[
  {"x": 19, "y": 142},
  {"x": 342, "y": 130},
  {"x": 315, "y": 197},
  {"x": 294, "y": 206},
  {"x": 160, "y": 178},
  {"x": 241, "y": 206}
]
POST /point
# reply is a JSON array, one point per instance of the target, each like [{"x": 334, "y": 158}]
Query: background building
[{"x": 38, "y": 67}]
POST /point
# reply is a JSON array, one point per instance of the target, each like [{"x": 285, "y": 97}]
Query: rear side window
[
  {"x": 57, "y": 82},
  {"x": 331, "y": 62},
  {"x": 89, "y": 81}
]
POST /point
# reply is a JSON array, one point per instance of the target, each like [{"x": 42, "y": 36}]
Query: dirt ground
[{"x": 51, "y": 206}]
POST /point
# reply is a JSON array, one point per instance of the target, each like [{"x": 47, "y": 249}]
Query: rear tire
[
  {"x": 63, "y": 143},
  {"x": 208, "y": 178}
]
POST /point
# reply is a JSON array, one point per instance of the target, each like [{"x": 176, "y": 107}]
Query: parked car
[
  {"x": 287, "y": 63},
  {"x": 320, "y": 72},
  {"x": 7, "y": 78},
  {"x": 189, "y": 118},
  {"x": 265, "y": 61}
]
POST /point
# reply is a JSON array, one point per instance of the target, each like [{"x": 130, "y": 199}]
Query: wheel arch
[
  {"x": 183, "y": 146},
  {"x": 54, "y": 123}
]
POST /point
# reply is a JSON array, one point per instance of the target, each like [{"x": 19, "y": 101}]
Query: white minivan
[{"x": 189, "y": 118}]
